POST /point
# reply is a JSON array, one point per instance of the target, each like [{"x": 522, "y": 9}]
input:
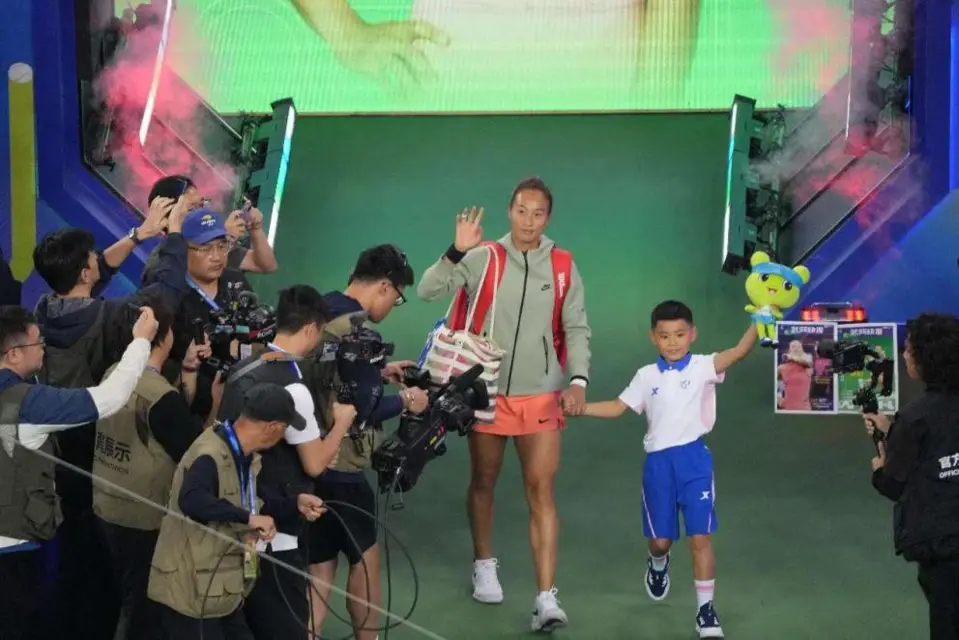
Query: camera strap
[{"x": 283, "y": 357}]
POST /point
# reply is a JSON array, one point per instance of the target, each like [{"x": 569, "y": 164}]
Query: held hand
[
  {"x": 146, "y": 325},
  {"x": 393, "y": 371},
  {"x": 573, "y": 400},
  {"x": 175, "y": 219},
  {"x": 876, "y": 421},
  {"x": 156, "y": 219},
  {"x": 469, "y": 232},
  {"x": 263, "y": 527},
  {"x": 254, "y": 219},
  {"x": 880, "y": 460},
  {"x": 310, "y": 506},
  {"x": 343, "y": 414},
  {"x": 415, "y": 400},
  {"x": 194, "y": 354},
  {"x": 235, "y": 224}
]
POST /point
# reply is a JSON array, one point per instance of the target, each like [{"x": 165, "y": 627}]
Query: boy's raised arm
[{"x": 725, "y": 359}]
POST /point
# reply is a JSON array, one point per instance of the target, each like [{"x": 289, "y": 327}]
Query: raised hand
[
  {"x": 146, "y": 325},
  {"x": 469, "y": 230}
]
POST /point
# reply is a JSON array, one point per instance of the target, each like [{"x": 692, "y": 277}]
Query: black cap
[{"x": 268, "y": 402}]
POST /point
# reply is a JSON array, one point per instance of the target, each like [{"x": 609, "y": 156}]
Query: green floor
[{"x": 803, "y": 550}]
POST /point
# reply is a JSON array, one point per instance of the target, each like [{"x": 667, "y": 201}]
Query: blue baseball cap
[{"x": 202, "y": 226}]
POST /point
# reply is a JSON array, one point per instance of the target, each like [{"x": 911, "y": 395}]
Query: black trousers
[
  {"x": 177, "y": 626},
  {"x": 131, "y": 553},
  {"x": 279, "y": 608},
  {"x": 86, "y": 595},
  {"x": 26, "y": 587},
  {"x": 940, "y": 584}
]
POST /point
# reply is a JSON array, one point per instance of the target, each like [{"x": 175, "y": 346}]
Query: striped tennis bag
[{"x": 455, "y": 345}]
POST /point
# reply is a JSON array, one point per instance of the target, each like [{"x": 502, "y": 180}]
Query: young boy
[{"x": 678, "y": 394}]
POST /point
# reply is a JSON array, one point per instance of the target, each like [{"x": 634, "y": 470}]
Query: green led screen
[{"x": 468, "y": 56}]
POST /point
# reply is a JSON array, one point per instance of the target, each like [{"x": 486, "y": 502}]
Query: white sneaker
[
  {"x": 486, "y": 586},
  {"x": 547, "y": 614}
]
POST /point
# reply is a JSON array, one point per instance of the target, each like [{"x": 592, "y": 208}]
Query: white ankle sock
[
  {"x": 659, "y": 563},
  {"x": 704, "y": 591}
]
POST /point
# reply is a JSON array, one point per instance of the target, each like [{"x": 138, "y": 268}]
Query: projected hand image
[
  {"x": 388, "y": 52},
  {"x": 485, "y": 56}
]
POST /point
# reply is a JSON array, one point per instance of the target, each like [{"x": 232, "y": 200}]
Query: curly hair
[{"x": 933, "y": 341}]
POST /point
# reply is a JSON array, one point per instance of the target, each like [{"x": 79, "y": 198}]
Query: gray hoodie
[{"x": 524, "y": 315}]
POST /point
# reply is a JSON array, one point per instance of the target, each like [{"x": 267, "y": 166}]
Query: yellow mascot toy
[{"x": 771, "y": 288}]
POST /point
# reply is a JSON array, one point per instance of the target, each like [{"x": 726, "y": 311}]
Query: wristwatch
[{"x": 134, "y": 235}]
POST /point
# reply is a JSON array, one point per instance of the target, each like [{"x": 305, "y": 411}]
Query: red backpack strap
[
  {"x": 460, "y": 310},
  {"x": 562, "y": 277}
]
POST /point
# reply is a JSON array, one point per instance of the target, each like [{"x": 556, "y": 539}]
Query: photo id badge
[{"x": 251, "y": 561}]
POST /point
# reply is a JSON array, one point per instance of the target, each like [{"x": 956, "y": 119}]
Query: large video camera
[
  {"x": 361, "y": 347},
  {"x": 244, "y": 319},
  {"x": 850, "y": 357},
  {"x": 400, "y": 460}
]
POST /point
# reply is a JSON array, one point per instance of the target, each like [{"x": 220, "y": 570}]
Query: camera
[
  {"x": 850, "y": 357},
  {"x": 400, "y": 460},
  {"x": 244, "y": 319},
  {"x": 362, "y": 347}
]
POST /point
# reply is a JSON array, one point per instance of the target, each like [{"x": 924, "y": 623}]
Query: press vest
[
  {"x": 281, "y": 466},
  {"x": 926, "y": 516},
  {"x": 29, "y": 506},
  {"x": 127, "y": 455},
  {"x": 354, "y": 454},
  {"x": 194, "y": 572}
]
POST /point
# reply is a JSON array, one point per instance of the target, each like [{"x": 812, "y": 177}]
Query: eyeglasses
[
  {"x": 400, "y": 298},
  {"x": 223, "y": 247},
  {"x": 41, "y": 343}
]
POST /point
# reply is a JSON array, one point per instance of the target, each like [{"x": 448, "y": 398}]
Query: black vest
[
  {"x": 29, "y": 506},
  {"x": 926, "y": 516},
  {"x": 282, "y": 472}
]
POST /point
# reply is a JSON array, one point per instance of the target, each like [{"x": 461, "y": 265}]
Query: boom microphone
[{"x": 464, "y": 381}]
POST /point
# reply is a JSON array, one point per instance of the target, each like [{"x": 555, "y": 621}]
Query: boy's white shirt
[{"x": 679, "y": 403}]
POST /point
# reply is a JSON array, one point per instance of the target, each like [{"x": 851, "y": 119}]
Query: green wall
[{"x": 637, "y": 200}]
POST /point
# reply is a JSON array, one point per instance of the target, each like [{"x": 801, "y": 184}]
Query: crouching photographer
[
  {"x": 375, "y": 287},
  {"x": 917, "y": 467},
  {"x": 278, "y": 607}
]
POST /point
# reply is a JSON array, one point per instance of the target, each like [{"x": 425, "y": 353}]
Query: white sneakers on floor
[
  {"x": 547, "y": 614},
  {"x": 486, "y": 586}
]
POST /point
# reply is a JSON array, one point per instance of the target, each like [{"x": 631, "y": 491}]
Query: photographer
[
  {"x": 212, "y": 288},
  {"x": 78, "y": 327},
  {"x": 137, "y": 450},
  {"x": 376, "y": 286},
  {"x": 278, "y": 606},
  {"x": 917, "y": 467}
]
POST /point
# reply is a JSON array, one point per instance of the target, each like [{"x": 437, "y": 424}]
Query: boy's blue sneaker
[
  {"x": 657, "y": 582},
  {"x": 707, "y": 622}
]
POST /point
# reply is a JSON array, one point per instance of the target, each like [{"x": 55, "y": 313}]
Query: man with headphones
[{"x": 375, "y": 288}]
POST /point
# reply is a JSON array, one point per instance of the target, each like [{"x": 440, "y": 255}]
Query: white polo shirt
[{"x": 679, "y": 399}]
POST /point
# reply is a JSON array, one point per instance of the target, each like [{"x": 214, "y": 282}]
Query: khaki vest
[
  {"x": 194, "y": 572},
  {"x": 126, "y": 455},
  {"x": 29, "y": 506},
  {"x": 354, "y": 454}
]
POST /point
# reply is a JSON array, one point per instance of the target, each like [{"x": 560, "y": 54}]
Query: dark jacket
[
  {"x": 63, "y": 321},
  {"x": 921, "y": 475}
]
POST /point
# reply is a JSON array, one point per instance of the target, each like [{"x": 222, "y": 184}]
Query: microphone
[{"x": 466, "y": 379}]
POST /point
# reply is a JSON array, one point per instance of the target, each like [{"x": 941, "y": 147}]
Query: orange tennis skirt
[{"x": 523, "y": 415}]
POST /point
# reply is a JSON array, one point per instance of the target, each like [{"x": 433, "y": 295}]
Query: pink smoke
[{"x": 181, "y": 147}]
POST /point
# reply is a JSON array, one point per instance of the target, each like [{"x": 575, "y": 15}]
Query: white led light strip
[{"x": 157, "y": 71}]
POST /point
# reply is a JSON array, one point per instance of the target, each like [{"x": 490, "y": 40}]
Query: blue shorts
[{"x": 679, "y": 479}]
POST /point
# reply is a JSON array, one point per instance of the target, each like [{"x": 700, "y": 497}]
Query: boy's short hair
[
  {"x": 171, "y": 187},
  {"x": 383, "y": 262},
  {"x": 61, "y": 256},
  {"x": 670, "y": 310},
  {"x": 298, "y": 306}
]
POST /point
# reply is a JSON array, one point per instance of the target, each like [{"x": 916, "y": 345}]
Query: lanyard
[
  {"x": 203, "y": 294},
  {"x": 247, "y": 486},
  {"x": 296, "y": 367}
]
